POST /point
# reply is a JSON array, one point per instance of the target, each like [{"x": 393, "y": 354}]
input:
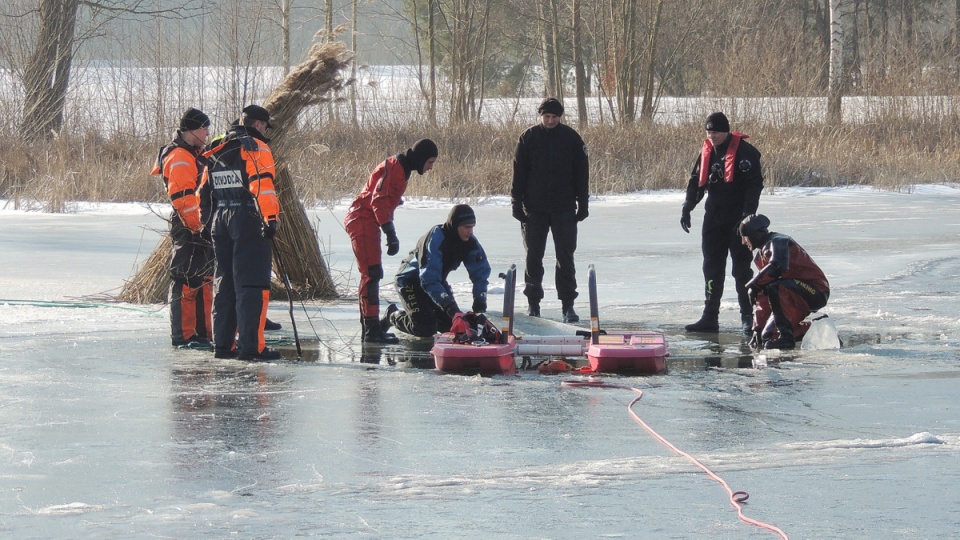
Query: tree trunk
[
  {"x": 432, "y": 39},
  {"x": 47, "y": 74},
  {"x": 835, "y": 85},
  {"x": 546, "y": 51},
  {"x": 646, "y": 108},
  {"x": 578, "y": 69}
]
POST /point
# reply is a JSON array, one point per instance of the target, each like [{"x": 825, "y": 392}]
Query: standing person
[
  {"x": 428, "y": 302},
  {"x": 181, "y": 163},
  {"x": 550, "y": 193},
  {"x": 728, "y": 171},
  {"x": 372, "y": 212},
  {"x": 245, "y": 217},
  {"x": 787, "y": 288}
]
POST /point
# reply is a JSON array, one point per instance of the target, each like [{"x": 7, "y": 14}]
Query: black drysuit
[{"x": 728, "y": 202}]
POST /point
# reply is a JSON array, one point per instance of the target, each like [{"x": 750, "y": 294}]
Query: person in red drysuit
[{"x": 371, "y": 213}]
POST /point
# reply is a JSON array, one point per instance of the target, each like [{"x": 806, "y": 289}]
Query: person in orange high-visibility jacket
[
  {"x": 371, "y": 212},
  {"x": 245, "y": 215},
  {"x": 181, "y": 162}
]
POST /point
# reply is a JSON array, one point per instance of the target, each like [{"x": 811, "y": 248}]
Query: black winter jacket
[{"x": 551, "y": 170}]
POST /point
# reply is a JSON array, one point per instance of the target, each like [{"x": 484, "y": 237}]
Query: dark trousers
[
  {"x": 420, "y": 316},
  {"x": 241, "y": 280},
  {"x": 563, "y": 226},
  {"x": 716, "y": 243}
]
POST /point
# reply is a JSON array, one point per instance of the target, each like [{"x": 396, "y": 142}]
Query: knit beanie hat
[
  {"x": 717, "y": 122},
  {"x": 551, "y": 105},
  {"x": 422, "y": 151},
  {"x": 756, "y": 228},
  {"x": 461, "y": 214},
  {"x": 194, "y": 119}
]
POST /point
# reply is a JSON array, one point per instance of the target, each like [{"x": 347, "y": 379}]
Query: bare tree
[
  {"x": 46, "y": 71},
  {"x": 578, "y": 68},
  {"x": 835, "y": 90}
]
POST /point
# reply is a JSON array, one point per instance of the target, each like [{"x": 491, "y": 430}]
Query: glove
[
  {"x": 479, "y": 304},
  {"x": 582, "y": 211},
  {"x": 460, "y": 325},
  {"x": 269, "y": 229},
  {"x": 449, "y": 306},
  {"x": 756, "y": 342},
  {"x": 393, "y": 243},
  {"x": 518, "y": 213},
  {"x": 685, "y": 220}
]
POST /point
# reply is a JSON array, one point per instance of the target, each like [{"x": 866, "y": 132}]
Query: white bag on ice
[{"x": 822, "y": 335}]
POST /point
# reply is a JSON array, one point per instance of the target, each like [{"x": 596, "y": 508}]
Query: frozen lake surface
[{"x": 108, "y": 432}]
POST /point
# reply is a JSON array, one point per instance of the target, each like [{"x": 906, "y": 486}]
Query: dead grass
[{"x": 333, "y": 161}]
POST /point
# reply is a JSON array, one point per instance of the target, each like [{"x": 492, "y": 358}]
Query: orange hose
[{"x": 736, "y": 497}]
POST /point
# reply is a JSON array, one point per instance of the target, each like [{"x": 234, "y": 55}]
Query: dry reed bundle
[
  {"x": 151, "y": 283},
  {"x": 296, "y": 244}
]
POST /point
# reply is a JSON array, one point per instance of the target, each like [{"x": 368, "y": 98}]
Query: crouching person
[
  {"x": 428, "y": 302},
  {"x": 787, "y": 288}
]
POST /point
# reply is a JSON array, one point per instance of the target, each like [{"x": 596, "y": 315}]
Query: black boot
[
  {"x": 569, "y": 315},
  {"x": 707, "y": 323},
  {"x": 746, "y": 324},
  {"x": 534, "y": 309},
  {"x": 387, "y": 320},
  {"x": 786, "y": 340},
  {"x": 373, "y": 333},
  {"x": 270, "y": 325}
]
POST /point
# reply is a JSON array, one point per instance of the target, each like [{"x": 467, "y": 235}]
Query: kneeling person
[
  {"x": 428, "y": 302},
  {"x": 787, "y": 288}
]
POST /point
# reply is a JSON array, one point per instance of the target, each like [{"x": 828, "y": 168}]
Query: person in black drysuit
[
  {"x": 550, "y": 193},
  {"x": 428, "y": 302},
  {"x": 245, "y": 217},
  {"x": 728, "y": 171}
]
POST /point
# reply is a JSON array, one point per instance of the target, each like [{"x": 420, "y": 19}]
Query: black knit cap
[
  {"x": 461, "y": 214},
  {"x": 551, "y": 105},
  {"x": 422, "y": 151},
  {"x": 256, "y": 112},
  {"x": 194, "y": 119},
  {"x": 756, "y": 228},
  {"x": 717, "y": 122}
]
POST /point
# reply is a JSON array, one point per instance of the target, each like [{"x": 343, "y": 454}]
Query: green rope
[{"x": 75, "y": 304}]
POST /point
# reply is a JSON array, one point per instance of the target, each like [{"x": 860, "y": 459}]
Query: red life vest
[{"x": 735, "y": 138}]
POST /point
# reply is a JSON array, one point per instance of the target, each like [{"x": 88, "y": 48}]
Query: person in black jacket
[
  {"x": 550, "y": 194},
  {"x": 728, "y": 171},
  {"x": 428, "y": 302}
]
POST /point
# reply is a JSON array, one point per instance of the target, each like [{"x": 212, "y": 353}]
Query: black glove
[
  {"x": 518, "y": 213},
  {"x": 269, "y": 229},
  {"x": 479, "y": 304},
  {"x": 582, "y": 211},
  {"x": 756, "y": 342},
  {"x": 393, "y": 243},
  {"x": 685, "y": 220}
]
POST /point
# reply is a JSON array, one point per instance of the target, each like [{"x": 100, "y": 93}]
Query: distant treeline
[{"x": 623, "y": 68}]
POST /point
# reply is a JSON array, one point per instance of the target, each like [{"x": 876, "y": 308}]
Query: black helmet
[{"x": 756, "y": 228}]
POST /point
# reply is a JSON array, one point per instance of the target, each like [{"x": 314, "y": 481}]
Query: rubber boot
[
  {"x": 786, "y": 339},
  {"x": 746, "y": 324},
  {"x": 373, "y": 333},
  {"x": 387, "y": 320},
  {"x": 707, "y": 323},
  {"x": 569, "y": 315},
  {"x": 534, "y": 309}
]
